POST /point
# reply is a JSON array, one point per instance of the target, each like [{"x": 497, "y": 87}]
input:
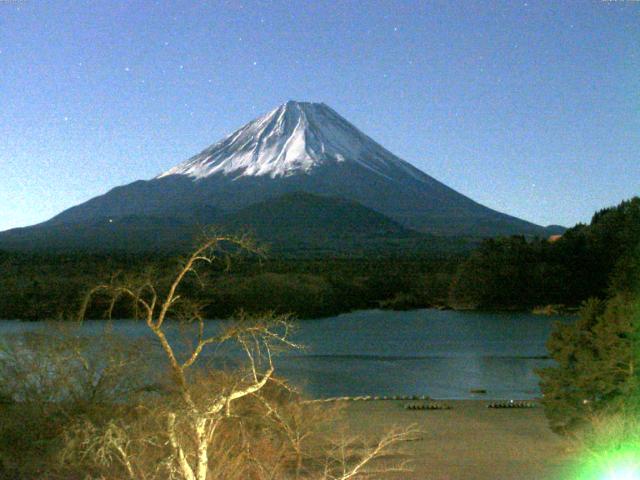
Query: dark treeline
[
  {"x": 513, "y": 273},
  {"x": 34, "y": 287},
  {"x": 505, "y": 273}
]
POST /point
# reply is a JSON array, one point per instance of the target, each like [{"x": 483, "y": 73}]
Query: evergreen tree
[
  {"x": 501, "y": 274},
  {"x": 596, "y": 364}
]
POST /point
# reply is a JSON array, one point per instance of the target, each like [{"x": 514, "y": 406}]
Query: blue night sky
[{"x": 531, "y": 108}]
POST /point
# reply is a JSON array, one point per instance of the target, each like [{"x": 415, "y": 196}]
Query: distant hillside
[
  {"x": 293, "y": 224},
  {"x": 133, "y": 233},
  {"x": 313, "y": 224}
]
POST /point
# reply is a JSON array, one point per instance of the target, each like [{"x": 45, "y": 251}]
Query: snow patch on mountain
[{"x": 293, "y": 139}]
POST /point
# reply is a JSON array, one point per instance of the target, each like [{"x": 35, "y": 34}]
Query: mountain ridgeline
[{"x": 336, "y": 183}]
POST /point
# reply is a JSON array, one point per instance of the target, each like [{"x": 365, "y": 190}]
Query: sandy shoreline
[{"x": 469, "y": 441}]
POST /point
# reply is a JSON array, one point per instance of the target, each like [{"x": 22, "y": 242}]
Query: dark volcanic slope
[
  {"x": 298, "y": 224},
  {"x": 302, "y": 222}
]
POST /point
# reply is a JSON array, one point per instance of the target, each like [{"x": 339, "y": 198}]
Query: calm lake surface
[{"x": 443, "y": 354}]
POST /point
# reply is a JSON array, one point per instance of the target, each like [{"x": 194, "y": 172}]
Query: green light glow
[
  {"x": 623, "y": 473},
  {"x": 617, "y": 464}
]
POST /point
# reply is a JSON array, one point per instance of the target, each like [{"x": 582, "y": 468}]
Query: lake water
[{"x": 443, "y": 354}]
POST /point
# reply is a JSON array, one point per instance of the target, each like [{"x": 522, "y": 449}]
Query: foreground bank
[{"x": 468, "y": 441}]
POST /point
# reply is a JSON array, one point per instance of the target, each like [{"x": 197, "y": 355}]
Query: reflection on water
[
  {"x": 443, "y": 354},
  {"x": 450, "y": 377}
]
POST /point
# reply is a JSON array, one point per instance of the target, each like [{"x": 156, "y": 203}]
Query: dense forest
[
  {"x": 587, "y": 260},
  {"x": 52, "y": 286},
  {"x": 503, "y": 273}
]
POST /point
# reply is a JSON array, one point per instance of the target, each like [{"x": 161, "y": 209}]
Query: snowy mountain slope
[{"x": 293, "y": 139}]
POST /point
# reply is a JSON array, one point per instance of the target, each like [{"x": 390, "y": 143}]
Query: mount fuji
[{"x": 299, "y": 147}]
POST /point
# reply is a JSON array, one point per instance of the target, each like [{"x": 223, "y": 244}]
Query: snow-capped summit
[{"x": 291, "y": 139}]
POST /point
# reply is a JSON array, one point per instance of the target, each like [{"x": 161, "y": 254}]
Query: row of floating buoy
[
  {"x": 422, "y": 402},
  {"x": 371, "y": 397},
  {"x": 512, "y": 404},
  {"x": 427, "y": 406},
  {"x": 341, "y": 399},
  {"x": 406, "y": 397}
]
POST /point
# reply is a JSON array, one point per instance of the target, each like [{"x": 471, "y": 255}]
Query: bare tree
[{"x": 206, "y": 400}]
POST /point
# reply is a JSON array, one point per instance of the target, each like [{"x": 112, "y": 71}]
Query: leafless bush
[
  {"x": 51, "y": 378},
  {"x": 606, "y": 432}
]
